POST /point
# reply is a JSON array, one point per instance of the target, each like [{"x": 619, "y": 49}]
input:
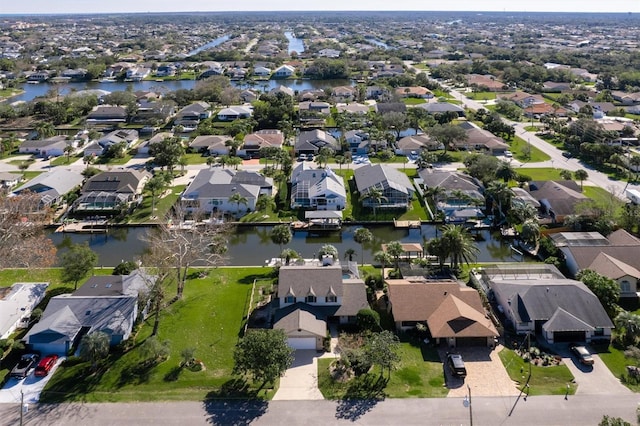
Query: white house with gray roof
[
  {"x": 319, "y": 189},
  {"x": 212, "y": 191},
  {"x": 49, "y": 147},
  {"x": 311, "y": 141},
  {"x": 52, "y": 186},
  {"x": 395, "y": 186}
]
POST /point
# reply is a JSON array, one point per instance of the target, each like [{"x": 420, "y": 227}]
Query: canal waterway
[
  {"x": 209, "y": 45},
  {"x": 295, "y": 44},
  {"x": 251, "y": 245}
]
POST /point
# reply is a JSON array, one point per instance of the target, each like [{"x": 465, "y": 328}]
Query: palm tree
[
  {"x": 362, "y": 236},
  {"x": 324, "y": 154},
  {"x": 94, "y": 347},
  {"x": 238, "y": 198},
  {"x": 459, "y": 245},
  {"x": 505, "y": 171},
  {"x": 288, "y": 254},
  {"x": 634, "y": 163},
  {"x": 234, "y": 161},
  {"x": 435, "y": 247},
  {"x": 530, "y": 232},
  {"x": 88, "y": 160},
  {"x": 375, "y": 196},
  {"x": 395, "y": 250},
  {"x": 281, "y": 235},
  {"x": 581, "y": 175},
  {"x": 156, "y": 185},
  {"x": 233, "y": 145},
  {"x": 384, "y": 258},
  {"x": 328, "y": 250},
  {"x": 265, "y": 203},
  {"x": 45, "y": 130},
  {"x": 566, "y": 174},
  {"x": 68, "y": 150},
  {"x": 521, "y": 212},
  {"x": 629, "y": 324},
  {"x": 500, "y": 194},
  {"x": 348, "y": 254}
]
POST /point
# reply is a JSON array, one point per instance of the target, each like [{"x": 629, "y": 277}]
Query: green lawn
[
  {"x": 114, "y": 161},
  {"x": 518, "y": 147},
  {"x": 531, "y": 128},
  {"x": 615, "y": 361},
  {"x": 481, "y": 96},
  {"x": 63, "y": 161},
  {"x": 394, "y": 159},
  {"x": 544, "y": 380},
  {"x": 142, "y": 214},
  {"x": 543, "y": 173},
  {"x": 209, "y": 318},
  {"x": 195, "y": 158},
  {"x": 419, "y": 375},
  {"x": 414, "y": 101}
]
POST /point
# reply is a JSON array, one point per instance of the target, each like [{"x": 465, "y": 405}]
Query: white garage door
[{"x": 302, "y": 342}]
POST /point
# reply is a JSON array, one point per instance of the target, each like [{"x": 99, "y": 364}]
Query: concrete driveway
[
  {"x": 300, "y": 382},
  {"x": 592, "y": 380},
  {"x": 486, "y": 376},
  {"x": 31, "y": 386}
]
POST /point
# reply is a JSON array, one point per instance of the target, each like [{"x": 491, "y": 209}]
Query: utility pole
[
  {"x": 21, "y": 406},
  {"x": 470, "y": 408}
]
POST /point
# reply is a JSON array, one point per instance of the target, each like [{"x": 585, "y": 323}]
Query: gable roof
[
  {"x": 119, "y": 181},
  {"x": 456, "y": 318},
  {"x": 301, "y": 320},
  {"x": 115, "y": 285},
  {"x": 53, "y": 141},
  {"x": 562, "y": 320},
  {"x": 60, "y": 326},
  {"x": 562, "y": 196},
  {"x": 449, "y": 180},
  {"x": 300, "y": 281},
  {"x": 382, "y": 176},
  {"x": 209, "y": 141},
  {"x": 55, "y": 182},
  {"x": 210, "y": 183}
]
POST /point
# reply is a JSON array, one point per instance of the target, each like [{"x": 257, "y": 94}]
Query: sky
[{"x": 121, "y": 6}]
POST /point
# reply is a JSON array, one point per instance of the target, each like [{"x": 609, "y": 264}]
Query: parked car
[
  {"x": 566, "y": 154},
  {"x": 508, "y": 154},
  {"x": 310, "y": 157},
  {"x": 456, "y": 365},
  {"x": 45, "y": 365},
  {"x": 26, "y": 363},
  {"x": 302, "y": 157},
  {"x": 582, "y": 354}
]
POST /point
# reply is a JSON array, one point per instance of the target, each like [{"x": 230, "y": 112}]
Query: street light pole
[{"x": 470, "y": 408}]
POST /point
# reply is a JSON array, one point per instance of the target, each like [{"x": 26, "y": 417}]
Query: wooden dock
[{"x": 407, "y": 224}]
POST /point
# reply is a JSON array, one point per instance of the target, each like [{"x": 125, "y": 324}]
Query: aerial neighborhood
[{"x": 401, "y": 206}]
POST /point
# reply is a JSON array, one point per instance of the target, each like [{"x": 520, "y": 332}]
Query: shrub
[{"x": 368, "y": 319}]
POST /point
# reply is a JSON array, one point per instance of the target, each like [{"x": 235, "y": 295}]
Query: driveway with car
[
  {"x": 486, "y": 376},
  {"x": 31, "y": 386},
  {"x": 594, "y": 379}
]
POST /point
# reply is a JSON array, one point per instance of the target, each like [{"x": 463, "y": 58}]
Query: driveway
[
  {"x": 31, "y": 386},
  {"x": 300, "y": 382},
  {"x": 596, "y": 380},
  {"x": 486, "y": 376}
]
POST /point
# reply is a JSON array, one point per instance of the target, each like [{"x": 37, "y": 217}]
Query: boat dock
[
  {"x": 407, "y": 224},
  {"x": 86, "y": 227},
  {"x": 319, "y": 221}
]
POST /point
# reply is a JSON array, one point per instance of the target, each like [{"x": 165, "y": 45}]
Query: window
[
  {"x": 310, "y": 299},
  {"x": 332, "y": 298},
  {"x": 625, "y": 286},
  {"x": 289, "y": 299}
]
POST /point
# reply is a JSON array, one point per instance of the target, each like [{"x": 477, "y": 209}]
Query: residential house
[
  {"x": 9, "y": 180},
  {"x": 212, "y": 190},
  {"x": 282, "y": 89},
  {"x": 555, "y": 86},
  {"x": 310, "y": 295},
  {"x": 190, "y": 116},
  {"x": 383, "y": 108},
  {"x": 53, "y": 185},
  {"x": 452, "y": 312},
  {"x": 124, "y": 137},
  {"x": 544, "y": 109},
  {"x": 522, "y": 99},
  {"x": 212, "y": 144},
  {"x": 416, "y": 143},
  {"x": 107, "y": 114},
  {"x": 481, "y": 139},
  {"x": 329, "y": 53},
  {"x": 319, "y": 189},
  {"x": 93, "y": 149},
  {"x": 414, "y": 92},
  {"x": 353, "y": 108},
  {"x": 313, "y": 113},
  {"x": 462, "y": 195},
  {"x": 137, "y": 73},
  {"x": 558, "y": 199},
  {"x": 626, "y": 98},
  {"x": 311, "y": 141},
  {"x": 266, "y": 138},
  {"x": 311, "y": 95},
  {"x": 358, "y": 141},
  {"x": 539, "y": 299},
  {"x": 376, "y": 92},
  {"x": 394, "y": 185},
  {"x": 441, "y": 108},
  {"x": 344, "y": 93},
  {"x": 109, "y": 192},
  {"x": 485, "y": 82},
  {"x": 152, "y": 111},
  {"x": 284, "y": 71},
  {"x": 235, "y": 112},
  {"x": 145, "y": 146},
  {"x": 262, "y": 71},
  {"x": 615, "y": 257},
  {"x": 108, "y": 304},
  {"x": 49, "y": 147},
  {"x": 16, "y": 305},
  {"x": 165, "y": 70},
  {"x": 249, "y": 95}
]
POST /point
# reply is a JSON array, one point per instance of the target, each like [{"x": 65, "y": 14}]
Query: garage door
[
  {"x": 471, "y": 341},
  {"x": 568, "y": 336},
  {"x": 302, "y": 342}
]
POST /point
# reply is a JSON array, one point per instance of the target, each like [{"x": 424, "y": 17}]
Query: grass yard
[
  {"x": 543, "y": 173},
  {"x": 481, "y": 96},
  {"x": 115, "y": 161},
  {"x": 519, "y": 146},
  {"x": 414, "y": 101},
  {"x": 63, "y": 160},
  {"x": 394, "y": 159},
  {"x": 143, "y": 213},
  {"x": 209, "y": 318},
  {"x": 544, "y": 380},
  {"x": 420, "y": 376},
  {"x": 195, "y": 158}
]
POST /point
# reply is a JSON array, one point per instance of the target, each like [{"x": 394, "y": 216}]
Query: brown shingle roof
[{"x": 455, "y": 318}]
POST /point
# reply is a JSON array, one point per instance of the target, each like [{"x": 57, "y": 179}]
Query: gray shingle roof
[
  {"x": 302, "y": 320},
  {"x": 55, "y": 183},
  {"x": 382, "y": 176},
  {"x": 299, "y": 281}
]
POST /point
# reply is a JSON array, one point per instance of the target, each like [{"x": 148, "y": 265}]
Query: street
[{"x": 534, "y": 411}]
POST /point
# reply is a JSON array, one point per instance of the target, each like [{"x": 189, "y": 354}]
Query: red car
[{"x": 45, "y": 365}]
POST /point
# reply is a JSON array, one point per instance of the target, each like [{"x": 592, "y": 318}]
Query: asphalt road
[{"x": 535, "y": 411}]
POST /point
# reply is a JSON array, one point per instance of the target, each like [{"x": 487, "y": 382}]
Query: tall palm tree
[
  {"x": 45, "y": 130},
  {"x": 521, "y": 212},
  {"x": 384, "y": 258},
  {"x": 375, "y": 196},
  {"x": 505, "y": 171},
  {"x": 156, "y": 185},
  {"x": 581, "y": 175},
  {"x": 395, "y": 250},
  {"x": 238, "y": 198},
  {"x": 281, "y": 235},
  {"x": 68, "y": 150},
  {"x": 459, "y": 245},
  {"x": 436, "y": 247},
  {"x": 349, "y": 253},
  {"x": 362, "y": 236},
  {"x": 628, "y": 324},
  {"x": 634, "y": 163},
  {"x": 501, "y": 196}
]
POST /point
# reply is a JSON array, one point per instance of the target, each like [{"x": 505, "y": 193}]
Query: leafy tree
[
  {"x": 125, "y": 268},
  {"x": 395, "y": 250},
  {"x": 606, "y": 290},
  {"x": 281, "y": 235},
  {"x": 77, "y": 262},
  {"x": 628, "y": 326},
  {"x": 362, "y": 236},
  {"x": 263, "y": 354},
  {"x": 395, "y": 122},
  {"x": 154, "y": 350},
  {"x": 94, "y": 347},
  {"x": 382, "y": 349},
  {"x": 447, "y": 134},
  {"x": 368, "y": 320},
  {"x": 613, "y": 421},
  {"x": 566, "y": 174},
  {"x": 482, "y": 167},
  {"x": 167, "y": 152}
]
